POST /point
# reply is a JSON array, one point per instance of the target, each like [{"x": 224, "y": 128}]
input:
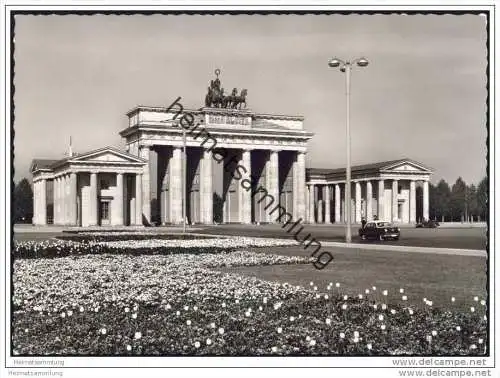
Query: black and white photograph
[{"x": 211, "y": 186}]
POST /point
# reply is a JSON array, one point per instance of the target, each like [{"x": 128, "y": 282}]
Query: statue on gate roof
[{"x": 215, "y": 97}]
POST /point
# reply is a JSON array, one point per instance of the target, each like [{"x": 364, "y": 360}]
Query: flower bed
[
  {"x": 83, "y": 237},
  {"x": 173, "y": 305},
  {"x": 61, "y": 248}
]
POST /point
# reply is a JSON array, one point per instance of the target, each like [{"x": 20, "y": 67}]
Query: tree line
[{"x": 460, "y": 203}]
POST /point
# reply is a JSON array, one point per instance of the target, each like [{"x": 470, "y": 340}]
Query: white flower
[
  {"x": 328, "y": 321},
  {"x": 137, "y": 335},
  {"x": 96, "y": 309},
  {"x": 221, "y": 331},
  {"x": 312, "y": 342},
  {"x": 476, "y": 299},
  {"x": 404, "y": 298},
  {"x": 367, "y": 291},
  {"x": 337, "y": 285},
  {"x": 292, "y": 318},
  {"x": 381, "y": 317},
  {"x": 356, "y": 334},
  {"x": 483, "y": 302},
  {"x": 264, "y": 300},
  {"x": 317, "y": 296},
  {"x": 212, "y": 325},
  {"x": 63, "y": 315},
  {"x": 260, "y": 308},
  {"x": 129, "y": 347},
  {"x": 197, "y": 344},
  {"x": 134, "y": 316},
  {"x": 103, "y": 331},
  {"x": 308, "y": 338},
  {"x": 311, "y": 283},
  {"x": 81, "y": 309},
  {"x": 188, "y": 322},
  {"x": 453, "y": 299},
  {"x": 177, "y": 313},
  {"x": 168, "y": 307},
  {"x": 382, "y": 327},
  {"x": 472, "y": 309},
  {"x": 473, "y": 346},
  {"x": 127, "y": 309},
  {"x": 237, "y": 301},
  {"x": 326, "y": 296},
  {"x": 70, "y": 312},
  {"x": 223, "y": 304},
  {"x": 274, "y": 349},
  {"x": 385, "y": 292},
  {"x": 425, "y": 300},
  {"x": 360, "y": 296},
  {"x": 356, "y": 340},
  {"x": 484, "y": 317},
  {"x": 186, "y": 308},
  {"x": 345, "y": 297},
  {"x": 315, "y": 288},
  {"x": 247, "y": 314},
  {"x": 373, "y": 288},
  {"x": 344, "y": 307},
  {"x": 342, "y": 335},
  {"x": 401, "y": 290},
  {"x": 410, "y": 311},
  {"x": 209, "y": 341},
  {"x": 26, "y": 330},
  {"x": 195, "y": 308},
  {"x": 480, "y": 341},
  {"x": 369, "y": 346},
  {"x": 434, "y": 333},
  {"x": 458, "y": 328},
  {"x": 384, "y": 306},
  {"x": 279, "y": 329},
  {"x": 375, "y": 306},
  {"x": 393, "y": 311},
  {"x": 429, "y": 303}
]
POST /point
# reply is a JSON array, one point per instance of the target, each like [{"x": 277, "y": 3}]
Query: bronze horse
[{"x": 215, "y": 98}]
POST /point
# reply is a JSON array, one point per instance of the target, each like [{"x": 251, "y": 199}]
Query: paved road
[{"x": 463, "y": 238}]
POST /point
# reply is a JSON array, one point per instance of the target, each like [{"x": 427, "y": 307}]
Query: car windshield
[{"x": 383, "y": 224}]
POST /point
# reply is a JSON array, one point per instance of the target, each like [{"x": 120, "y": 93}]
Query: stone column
[
  {"x": 138, "y": 199},
  {"x": 381, "y": 199},
  {"x": 337, "y": 204},
  {"x": 93, "y": 199},
  {"x": 413, "y": 197},
  {"x": 357, "y": 217},
  {"x": 326, "y": 193},
  {"x": 319, "y": 216},
  {"x": 301, "y": 186},
  {"x": 312, "y": 205},
  {"x": 208, "y": 188},
  {"x": 175, "y": 190},
  {"x": 272, "y": 183},
  {"x": 425, "y": 202},
  {"x": 34, "y": 220},
  {"x": 118, "y": 217},
  {"x": 146, "y": 191},
  {"x": 369, "y": 204},
  {"x": 307, "y": 200},
  {"x": 394, "y": 200},
  {"x": 65, "y": 197},
  {"x": 245, "y": 196},
  {"x": 72, "y": 199}
]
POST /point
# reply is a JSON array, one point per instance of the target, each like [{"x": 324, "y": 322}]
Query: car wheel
[
  {"x": 381, "y": 238},
  {"x": 363, "y": 237}
]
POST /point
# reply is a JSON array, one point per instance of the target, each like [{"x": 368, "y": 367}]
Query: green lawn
[{"x": 421, "y": 275}]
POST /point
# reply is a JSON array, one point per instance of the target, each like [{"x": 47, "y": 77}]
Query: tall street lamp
[{"x": 346, "y": 67}]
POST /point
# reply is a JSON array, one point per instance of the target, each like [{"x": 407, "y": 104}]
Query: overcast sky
[{"x": 422, "y": 96}]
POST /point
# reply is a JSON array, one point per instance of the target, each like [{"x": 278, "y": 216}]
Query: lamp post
[{"x": 346, "y": 67}]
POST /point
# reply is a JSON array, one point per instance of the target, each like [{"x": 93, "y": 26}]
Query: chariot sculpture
[{"x": 216, "y": 98}]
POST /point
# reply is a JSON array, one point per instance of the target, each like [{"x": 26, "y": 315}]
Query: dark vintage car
[
  {"x": 379, "y": 230},
  {"x": 428, "y": 224}
]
